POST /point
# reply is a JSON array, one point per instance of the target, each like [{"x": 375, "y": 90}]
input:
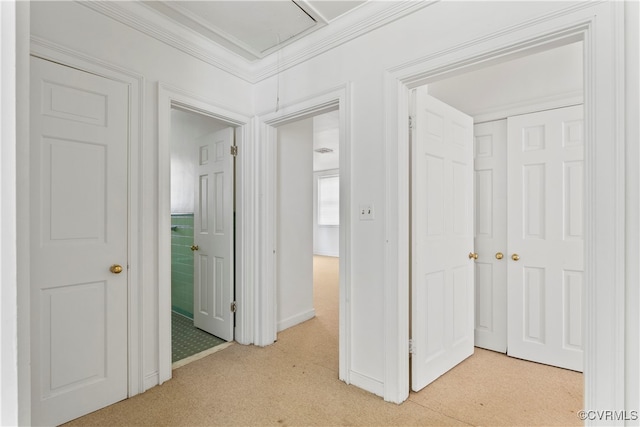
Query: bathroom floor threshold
[{"x": 197, "y": 356}]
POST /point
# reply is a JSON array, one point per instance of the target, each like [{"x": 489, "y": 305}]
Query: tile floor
[{"x": 187, "y": 340}]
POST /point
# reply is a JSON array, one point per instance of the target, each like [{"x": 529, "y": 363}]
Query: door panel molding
[
  {"x": 545, "y": 229},
  {"x": 490, "y": 164},
  {"x": 442, "y": 290},
  {"x": 605, "y": 198},
  {"x": 68, "y": 57}
]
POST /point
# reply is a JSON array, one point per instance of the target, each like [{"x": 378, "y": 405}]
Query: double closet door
[{"x": 529, "y": 236}]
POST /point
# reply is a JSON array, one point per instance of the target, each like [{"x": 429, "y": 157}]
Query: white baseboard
[
  {"x": 294, "y": 320},
  {"x": 151, "y": 380},
  {"x": 367, "y": 383},
  {"x": 327, "y": 253}
]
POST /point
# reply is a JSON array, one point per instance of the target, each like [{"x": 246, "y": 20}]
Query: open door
[
  {"x": 213, "y": 235},
  {"x": 442, "y": 287}
]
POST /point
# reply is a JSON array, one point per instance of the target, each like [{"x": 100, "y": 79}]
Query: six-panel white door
[
  {"x": 442, "y": 237},
  {"x": 545, "y": 237},
  {"x": 490, "y": 165},
  {"x": 78, "y": 225},
  {"x": 213, "y": 235}
]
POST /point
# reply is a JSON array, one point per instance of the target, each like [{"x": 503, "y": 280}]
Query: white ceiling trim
[
  {"x": 205, "y": 24},
  {"x": 141, "y": 18},
  {"x": 362, "y": 20},
  {"x": 254, "y": 54}
]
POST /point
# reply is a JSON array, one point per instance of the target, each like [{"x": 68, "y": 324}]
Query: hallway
[{"x": 295, "y": 382}]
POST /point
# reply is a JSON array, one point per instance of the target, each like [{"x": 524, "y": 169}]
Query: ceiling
[{"x": 253, "y": 29}]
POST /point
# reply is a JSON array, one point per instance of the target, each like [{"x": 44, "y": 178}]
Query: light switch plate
[{"x": 366, "y": 212}]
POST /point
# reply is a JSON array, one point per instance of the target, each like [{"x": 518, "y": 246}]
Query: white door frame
[
  {"x": 53, "y": 52},
  {"x": 266, "y": 320},
  {"x": 605, "y": 184},
  {"x": 169, "y": 96}
]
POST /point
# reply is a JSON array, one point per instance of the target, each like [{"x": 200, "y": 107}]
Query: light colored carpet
[{"x": 295, "y": 382}]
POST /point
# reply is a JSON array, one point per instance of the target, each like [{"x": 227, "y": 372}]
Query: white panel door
[
  {"x": 490, "y": 165},
  {"x": 442, "y": 237},
  {"x": 78, "y": 196},
  {"x": 546, "y": 237},
  {"x": 213, "y": 235}
]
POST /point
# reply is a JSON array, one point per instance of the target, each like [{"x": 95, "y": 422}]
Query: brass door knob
[
  {"x": 473, "y": 255},
  {"x": 515, "y": 257},
  {"x": 499, "y": 255},
  {"x": 194, "y": 247},
  {"x": 116, "y": 269}
]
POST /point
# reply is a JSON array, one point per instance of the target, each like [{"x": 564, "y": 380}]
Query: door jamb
[
  {"x": 50, "y": 51},
  {"x": 169, "y": 96},
  {"x": 266, "y": 319},
  {"x": 605, "y": 197}
]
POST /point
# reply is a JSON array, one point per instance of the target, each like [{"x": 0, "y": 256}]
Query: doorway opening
[
  {"x": 202, "y": 235},
  {"x": 337, "y": 102},
  {"x": 544, "y": 88},
  {"x": 308, "y": 222}
]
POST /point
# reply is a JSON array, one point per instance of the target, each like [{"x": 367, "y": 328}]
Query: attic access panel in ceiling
[{"x": 254, "y": 26}]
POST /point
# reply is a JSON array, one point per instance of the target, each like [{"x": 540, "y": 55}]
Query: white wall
[
  {"x": 294, "y": 283},
  {"x": 186, "y": 128},
  {"x": 326, "y": 238},
  {"x": 326, "y": 134},
  {"x": 74, "y": 26},
  {"x": 363, "y": 62}
]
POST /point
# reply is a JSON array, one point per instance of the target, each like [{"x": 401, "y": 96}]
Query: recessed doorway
[{"x": 202, "y": 230}]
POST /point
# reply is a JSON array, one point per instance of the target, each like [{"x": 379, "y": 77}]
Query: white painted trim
[
  {"x": 605, "y": 181},
  {"x": 159, "y": 27},
  {"x": 9, "y": 384},
  {"x": 68, "y": 57},
  {"x": 350, "y": 26},
  {"x": 367, "y": 383},
  {"x": 530, "y": 106},
  {"x": 23, "y": 58},
  {"x": 151, "y": 380},
  {"x": 245, "y": 235},
  {"x": 266, "y": 323},
  {"x": 329, "y": 254},
  {"x": 169, "y": 96},
  {"x": 296, "y": 319},
  {"x": 632, "y": 110},
  {"x": 359, "y": 22}
]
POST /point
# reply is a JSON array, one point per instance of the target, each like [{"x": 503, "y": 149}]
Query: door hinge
[
  {"x": 411, "y": 348},
  {"x": 234, "y": 307},
  {"x": 410, "y": 122},
  {"x": 234, "y": 150}
]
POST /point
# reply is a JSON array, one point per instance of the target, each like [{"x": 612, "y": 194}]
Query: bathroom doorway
[{"x": 202, "y": 244}]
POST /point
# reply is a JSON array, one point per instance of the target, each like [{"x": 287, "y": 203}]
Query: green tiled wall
[{"x": 182, "y": 264}]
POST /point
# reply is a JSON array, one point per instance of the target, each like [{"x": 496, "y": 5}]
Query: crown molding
[
  {"x": 362, "y": 20},
  {"x": 141, "y": 18}
]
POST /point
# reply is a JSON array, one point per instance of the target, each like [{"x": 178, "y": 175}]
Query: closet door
[
  {"x": 442, "y": 237},
  {"x": 490, "y": 170},
  {"x": 545, "y": 237},
  {"x": 78, "y": 242}
]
